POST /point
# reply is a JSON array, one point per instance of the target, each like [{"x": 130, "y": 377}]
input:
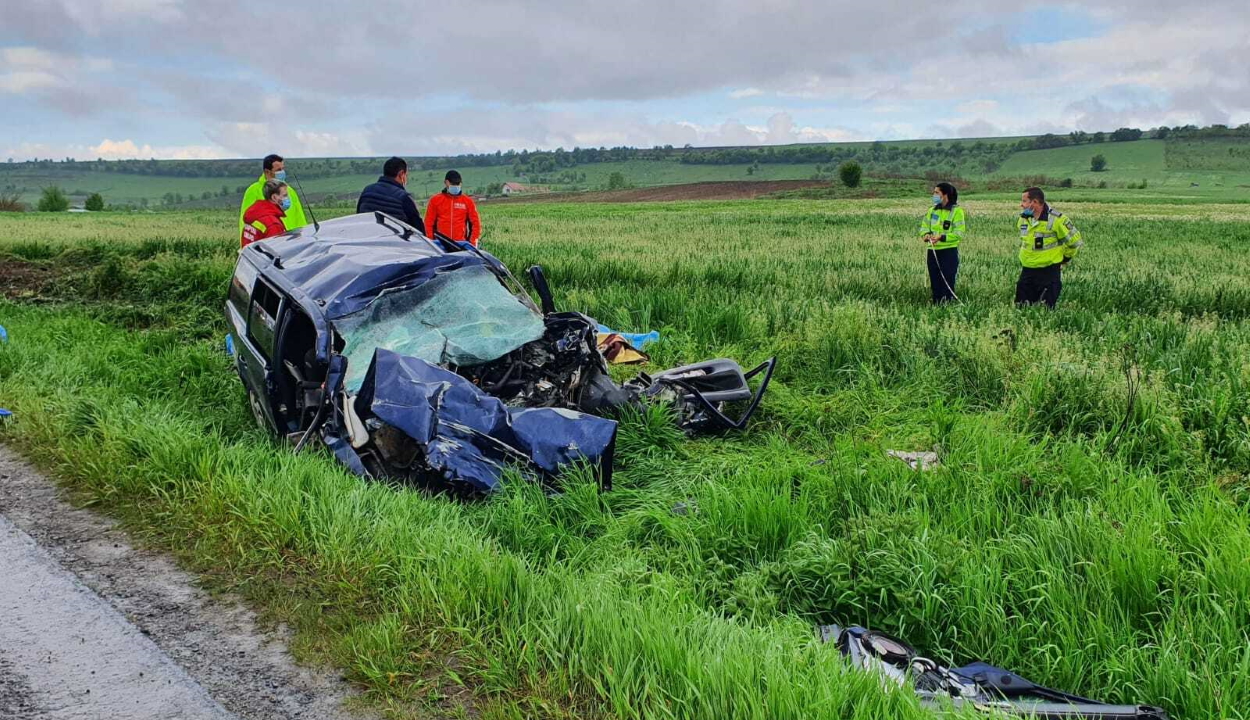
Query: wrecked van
[{"x": 425, "y": 360}]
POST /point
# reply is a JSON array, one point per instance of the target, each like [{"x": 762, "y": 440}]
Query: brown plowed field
[{"x": 725, "y": 190}]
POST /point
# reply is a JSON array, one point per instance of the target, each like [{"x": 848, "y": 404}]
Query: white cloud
[
  {"x": 94, "y": 16},
  {"x": 29, "y": 58},
  {"x": 127, "y": 149},
  {"x": 255, "y": 139},
  {"x": 23, "y": 81},
  {"x": 114, "y": 150},
  {"x": 978, "y": 129},
  {"x": 1186, "y": 64},
  {"x": 746, "y": 93},
  {"x": 28, "y": 151},
  {"x": 61, "y": 80},
  {"x": 98, "y": 65},
  {"x": 324, "y": 144},
  {"x": 976, "y": 107}
]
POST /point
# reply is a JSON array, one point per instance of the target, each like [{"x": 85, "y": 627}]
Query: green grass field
[
  {"x": 1195, "y": 168},
  {"x": 1088, "y": 544},
  {"x": 1126, "y": 161},
  {"x": 120, "y": 189}
]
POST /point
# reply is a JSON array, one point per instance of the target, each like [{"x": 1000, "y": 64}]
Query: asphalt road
[
  {"x": 67, "y": 653},
  {"x": 94, "y": 626}
]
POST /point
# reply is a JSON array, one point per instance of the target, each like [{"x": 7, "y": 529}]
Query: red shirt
[
  {"x": 262, "y": 220},
  {"x": 453, "y": 216}
]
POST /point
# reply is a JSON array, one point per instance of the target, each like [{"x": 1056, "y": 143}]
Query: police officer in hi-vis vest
[
  {"x": 942, "y": 228},
  {"x": 1048, "y": 241}
]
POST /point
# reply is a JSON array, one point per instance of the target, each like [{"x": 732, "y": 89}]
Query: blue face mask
[
  {"x": 286, "y": 203},
  {"x": 453, "y": 189},
  {"x": 1027, "y": 212},
  {"x": 937, "y": 199},
  {"x": 280, "y": 175}
]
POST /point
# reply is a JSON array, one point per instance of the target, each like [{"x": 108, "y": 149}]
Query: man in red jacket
[
  {"x": 453, "y": 214},
  {"x": 265, "y": 216}
]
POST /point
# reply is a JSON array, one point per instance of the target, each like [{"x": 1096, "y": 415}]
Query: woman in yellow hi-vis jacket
[{"x": 941, "y": 229}]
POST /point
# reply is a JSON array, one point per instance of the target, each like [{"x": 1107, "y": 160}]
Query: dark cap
[{"x": 452, "y": 177}]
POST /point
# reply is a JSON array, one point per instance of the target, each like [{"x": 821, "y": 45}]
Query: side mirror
[{"x": 544, "y": 291}]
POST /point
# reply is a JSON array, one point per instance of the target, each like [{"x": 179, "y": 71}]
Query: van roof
[{"x": 347, "y": 262}]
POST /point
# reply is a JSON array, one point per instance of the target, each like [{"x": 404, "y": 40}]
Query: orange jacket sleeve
[
  {"x": 431, "y": 216},
  {"x": 475, "y": 221}
]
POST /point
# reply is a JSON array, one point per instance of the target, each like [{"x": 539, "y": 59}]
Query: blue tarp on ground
[
  {"x": 469, "y": 436},
  {"x": 637, "y": 340}
]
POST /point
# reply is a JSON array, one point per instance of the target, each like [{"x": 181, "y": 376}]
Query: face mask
[
  {"x": 286, "y": 203},
  {"x": 280, "y": 175},
  {"x": 453, "y": 189},
  {"x": 937, "y": 199},
  {"x": 1027, "y": 212}
]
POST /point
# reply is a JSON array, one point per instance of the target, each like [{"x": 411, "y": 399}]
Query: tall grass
[{"x": 1085, "y": 542}]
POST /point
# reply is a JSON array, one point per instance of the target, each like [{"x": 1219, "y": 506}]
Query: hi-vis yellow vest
[
  {"x": 1048, "y": 240},
  {"x": 940, "y": 221}
]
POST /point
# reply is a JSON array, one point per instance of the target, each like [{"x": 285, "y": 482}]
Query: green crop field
[
  {"x": 1089, "y": 525},
  {"x": 132, "y": 189},
  {"x": 1210, "y": 154},
  {"x": 1179, "y": 169}
]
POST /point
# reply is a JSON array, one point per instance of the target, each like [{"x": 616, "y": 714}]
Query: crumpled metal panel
[{"x": 470, "y": 437}]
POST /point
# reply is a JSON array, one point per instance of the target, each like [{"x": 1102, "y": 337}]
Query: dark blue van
[{"x": 426, "y": 360}]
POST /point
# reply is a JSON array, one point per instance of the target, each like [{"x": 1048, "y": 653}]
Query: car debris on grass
[
  {"x": 979, "y": 686},
  {"x": 425, "y": 360},
  {"x": 923, "y": 460}
]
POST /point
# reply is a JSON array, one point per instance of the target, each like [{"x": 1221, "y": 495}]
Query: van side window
[
  {"x": 241, "y": 286},
  {"x": 262, "y": 322}
]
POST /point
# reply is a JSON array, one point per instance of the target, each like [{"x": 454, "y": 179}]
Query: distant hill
[{"x": 1204, "y": 161}]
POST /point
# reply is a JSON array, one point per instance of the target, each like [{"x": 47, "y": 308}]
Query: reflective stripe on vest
[{"x": 1047, "y": 246}]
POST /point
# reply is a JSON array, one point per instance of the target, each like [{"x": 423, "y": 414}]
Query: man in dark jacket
[{"x": 389, "y": 196}]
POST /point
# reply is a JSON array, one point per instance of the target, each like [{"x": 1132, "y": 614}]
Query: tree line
[{"x": 986, "y": 155}]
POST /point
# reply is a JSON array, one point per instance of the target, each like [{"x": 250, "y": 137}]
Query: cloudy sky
[{"x": 210, "y": 78}]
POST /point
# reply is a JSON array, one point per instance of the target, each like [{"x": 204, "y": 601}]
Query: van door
[
  {"x": 238, "y": 300},
  {"x": 257, "y": 350}
]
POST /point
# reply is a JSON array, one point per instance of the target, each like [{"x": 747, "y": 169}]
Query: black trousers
[
  {"x": 943, "y": 267},
  {"x": 1039, "y": 285}
]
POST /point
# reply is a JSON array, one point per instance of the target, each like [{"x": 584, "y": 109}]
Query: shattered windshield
[{"x": 464, "y": 317}]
